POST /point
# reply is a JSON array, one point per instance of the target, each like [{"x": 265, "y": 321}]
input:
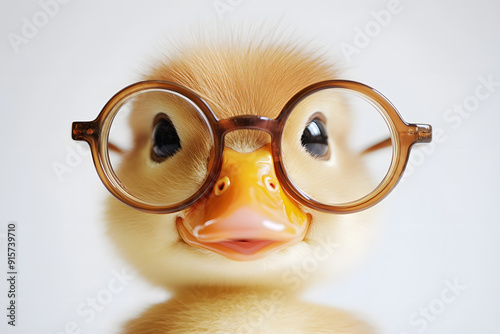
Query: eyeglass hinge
[
  {"x": 83, "y": 130},
  {"x": 423, "y": 132}
]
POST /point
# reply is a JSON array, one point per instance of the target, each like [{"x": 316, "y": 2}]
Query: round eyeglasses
[{"x": 337, "y": 146}]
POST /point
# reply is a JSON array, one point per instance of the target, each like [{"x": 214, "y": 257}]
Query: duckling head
[{"x": 247, "y": 231}]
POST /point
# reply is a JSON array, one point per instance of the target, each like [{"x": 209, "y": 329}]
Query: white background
[{"x": 441, "y": 224}]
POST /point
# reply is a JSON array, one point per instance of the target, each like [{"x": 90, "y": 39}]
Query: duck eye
[
  {"x": 315, "y": 139},
  {"x": 166, "y": 141}
]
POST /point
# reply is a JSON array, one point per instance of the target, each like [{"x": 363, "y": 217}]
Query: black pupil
[
  {"x": 166, "y": 141},
  {"x": 315, "y": 139}
]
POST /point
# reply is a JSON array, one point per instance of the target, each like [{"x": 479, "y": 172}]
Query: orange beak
[{"x": 247, "y": 215}]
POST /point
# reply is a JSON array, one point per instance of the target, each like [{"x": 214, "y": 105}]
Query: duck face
[{"x": 247, "y": 223}]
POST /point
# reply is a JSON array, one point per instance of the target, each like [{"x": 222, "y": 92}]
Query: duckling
[{"x": 242, "y": 272}]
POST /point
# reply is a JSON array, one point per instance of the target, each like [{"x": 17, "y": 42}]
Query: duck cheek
[{"x": 247, "y": 215}]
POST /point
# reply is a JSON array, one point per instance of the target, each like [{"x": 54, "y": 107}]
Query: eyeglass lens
[
  {"x": 351, "y": 169},
  {"x": 159, "y": 146}
]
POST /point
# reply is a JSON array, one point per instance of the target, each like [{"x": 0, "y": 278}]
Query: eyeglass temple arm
[
  {"x": 422, "y": 131},
  {"x": 380, "y": 145},
  {"x": 115, "y": 148}
]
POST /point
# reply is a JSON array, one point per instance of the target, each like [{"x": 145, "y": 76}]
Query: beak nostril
[
  {"x": 221, "y": 186},
  {"x": 271, "y": 184}
]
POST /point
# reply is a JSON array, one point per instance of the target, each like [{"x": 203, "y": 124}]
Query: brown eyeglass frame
[{"x": 403, "y": 136}]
